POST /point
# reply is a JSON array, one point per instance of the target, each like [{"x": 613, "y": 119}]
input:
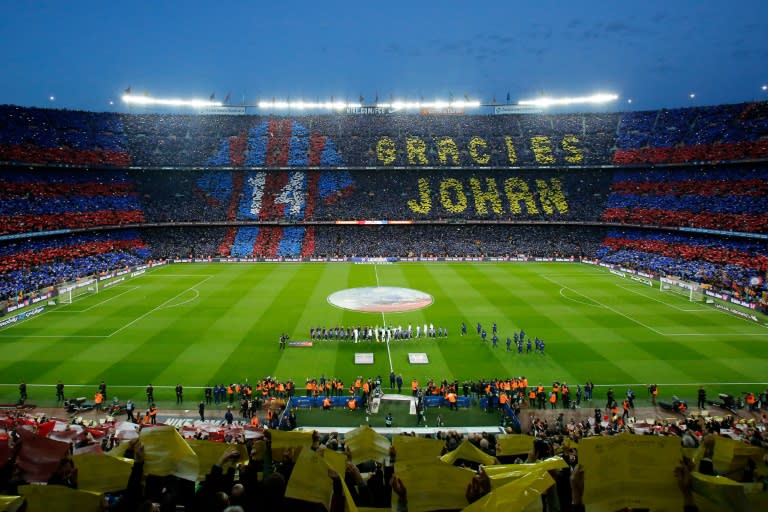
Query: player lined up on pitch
[
  {"x": 519, "y": 340},
  {"x": 377, "y": 333}
]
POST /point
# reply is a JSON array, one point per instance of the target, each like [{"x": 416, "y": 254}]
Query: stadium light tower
[{"x": 764, "y": 87}]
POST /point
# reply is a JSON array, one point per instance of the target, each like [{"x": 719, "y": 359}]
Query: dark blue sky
[{"x": 85, "y": 52}]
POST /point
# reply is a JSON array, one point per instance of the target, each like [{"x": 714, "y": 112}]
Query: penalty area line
[
  {"x": 638, "y": 322},
  {"x": 157, "y": 308}
]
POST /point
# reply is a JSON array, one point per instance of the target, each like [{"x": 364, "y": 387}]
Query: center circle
[{"x": 380, "y": 299}]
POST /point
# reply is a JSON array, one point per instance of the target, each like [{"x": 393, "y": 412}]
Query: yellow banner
[
  {"x": 502, "y": 474},
  {"x": 629, "y": 470},
  {"x": 209, "y": 452},
  {"x": 731, "y": 456},
  {"x": 309, "y": 480},
  {"x": 725, "y": 494},
  {"x": 468, "y": 451},
  {"x": 366, "y": 444},
  {"x": 102, "y": 473},
  {"x": 514, "y": 496},
  {"x": 282, "y": 439},
  {"x": 513, "y": 444},
  {"x": 167, "y": 453},
  {"x": 410, "y": 449},
  {"x": 434, "y": 486},
  {"x": 57, "y": 498}
]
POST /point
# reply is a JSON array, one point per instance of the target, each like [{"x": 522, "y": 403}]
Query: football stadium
[
  {"x": 505, "y": 270},
  {"x": 450, "y": 305}
]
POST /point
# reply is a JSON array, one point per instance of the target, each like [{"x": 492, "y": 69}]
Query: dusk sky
[{"x": 84, "y": 53}]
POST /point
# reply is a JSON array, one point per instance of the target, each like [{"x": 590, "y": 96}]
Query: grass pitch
[{"x": 199, "y": 324}]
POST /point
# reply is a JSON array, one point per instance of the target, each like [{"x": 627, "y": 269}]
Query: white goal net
[
  {"x": 688, "y": 289},
  {"x": 69, "y": 292}
]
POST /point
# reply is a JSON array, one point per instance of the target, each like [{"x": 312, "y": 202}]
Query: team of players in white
[{"x": 378, "y": 333}]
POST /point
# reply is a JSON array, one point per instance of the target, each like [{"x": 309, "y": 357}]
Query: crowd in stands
[
  {"x": 457, "y": 240},
  {"x": 332, "y": 140},
  {"x": 35, "y": 135},
  {"x": 398, "y": 241},
  {"x": 42, "y": 200},
  {"x": 726, "y": 198},
  {"x": 714, "y": 133},
  {"x": 33, "y": 264},
  {"x": 737, "y": 265},
  {"x": 190, "y": 242},
  {"x": 180, "y": 468}
]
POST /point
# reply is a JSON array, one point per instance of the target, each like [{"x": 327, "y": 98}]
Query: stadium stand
[
  {"x": 34, "y": 264},
  {"x": 558, "y": 208},
  {"x": 210, "y": 465},
  {"x": 46, "y": 200},
  {"x": 728, "y": 198}
]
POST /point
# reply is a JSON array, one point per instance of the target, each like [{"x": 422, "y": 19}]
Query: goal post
[
  {"x": 691, "y": 290},
  {"x": 69, "y": 292}
]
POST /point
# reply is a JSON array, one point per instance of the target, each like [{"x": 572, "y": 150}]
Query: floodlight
[
  {"x": 169, "y": 102},
  {"x": 549, "y": 102},
  {"x": 342, "y": 105}
]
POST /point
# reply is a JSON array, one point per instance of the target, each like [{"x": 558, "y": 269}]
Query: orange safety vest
[
  {"x": 255, "y": 421},
  {"x": 414, "y": 384},
  {"x": 532, "y": 394},
  {"x": 553, "y": 398}
]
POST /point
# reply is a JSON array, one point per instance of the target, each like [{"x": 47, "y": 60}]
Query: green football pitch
[{"x": 200, "y": 324}]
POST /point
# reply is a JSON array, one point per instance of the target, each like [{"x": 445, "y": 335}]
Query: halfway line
[{"x": 383, "y": 320}]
